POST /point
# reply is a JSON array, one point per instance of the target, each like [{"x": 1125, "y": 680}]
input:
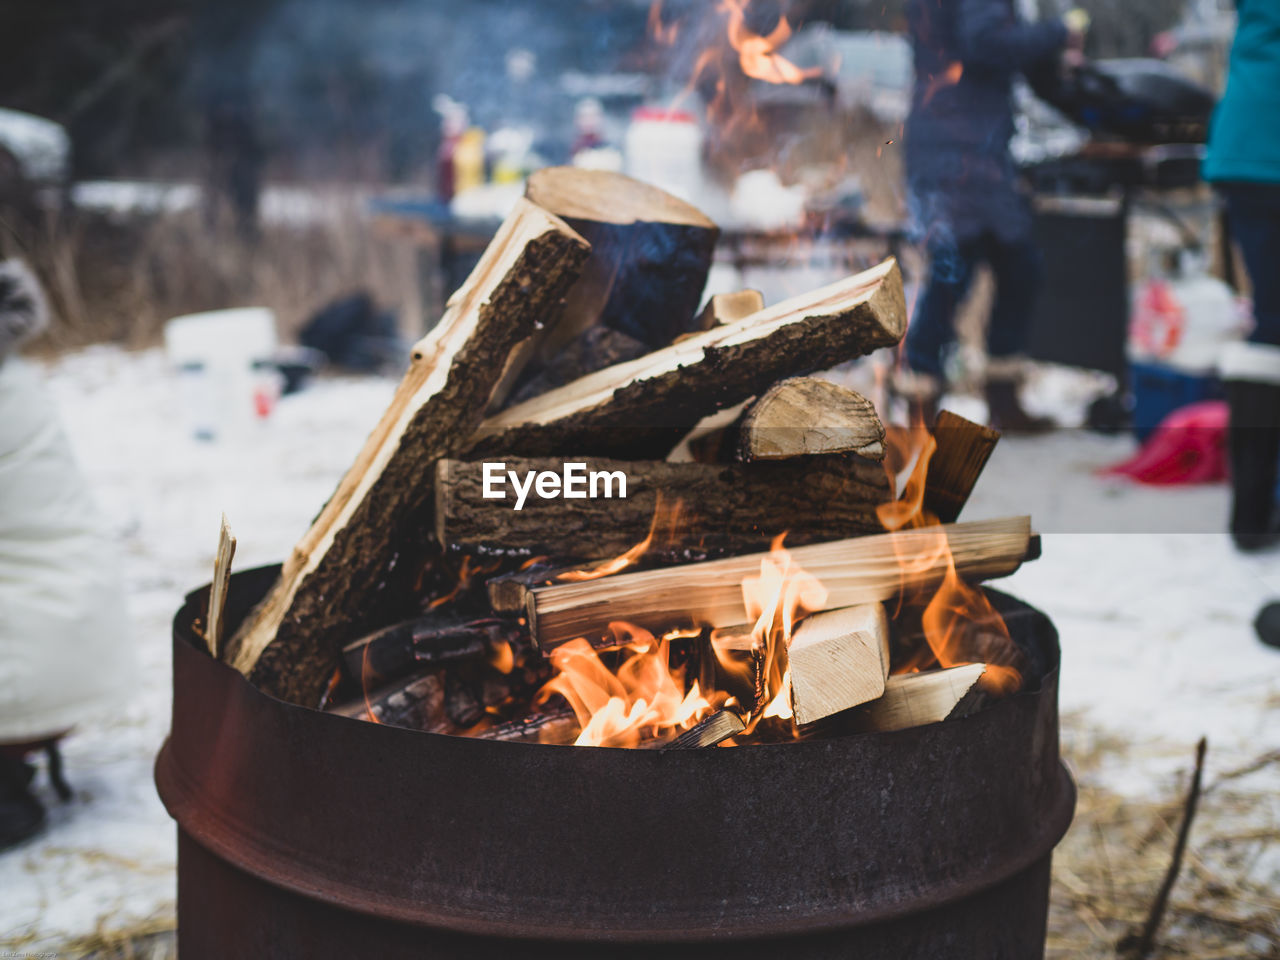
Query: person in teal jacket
[{"x": 1243, "y": 162}]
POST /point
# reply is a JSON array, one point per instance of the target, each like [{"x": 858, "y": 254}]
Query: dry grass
[
  {"x": 119, "y": 281},
  {"x": 1109, "y": 867}
]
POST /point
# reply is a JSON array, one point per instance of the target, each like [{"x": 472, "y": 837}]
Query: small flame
[
  {"x": 775, "y": 601},
  {"x": 642, "y": 699},
  {"x": 501, "y": 657},
  {"x": 663, "y": 33},
  {"x": 466, "y": 575},
  {"x": 661, "y": 517},
  {"x": 757, "y": 55},
  {"x": 960, "y": 624},
  {"x": 948, "y": 78}
]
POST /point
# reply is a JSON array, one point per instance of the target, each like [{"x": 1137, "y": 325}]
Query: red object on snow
[{"x": 1189, "y": 446}]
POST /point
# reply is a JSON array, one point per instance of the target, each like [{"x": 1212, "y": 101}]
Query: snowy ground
[{"x": 1153, "y": 607}]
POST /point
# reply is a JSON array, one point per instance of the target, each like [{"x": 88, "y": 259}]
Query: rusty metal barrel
[{"x": 305, "y": 834}]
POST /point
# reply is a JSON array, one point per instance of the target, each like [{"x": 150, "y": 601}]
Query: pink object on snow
[{"x": 1189, "y": 446}]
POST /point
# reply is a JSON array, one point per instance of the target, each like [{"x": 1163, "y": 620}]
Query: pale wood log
[
  {"x": 218, "y": 588},
  {"x": 722, "y": 508},
  {"x": 725, "y": 308},
  {"x": 641, "y": 409},
  {"x": 914, "y": 699},
  {"x": 963, "y": 449},
  {"x": 838, "y": 659},
  {"x": 804, "y": 416},
  {"x": 330, "y": 585},
  {"x": 708, "y": 732},
  {"x": 861, "y": 570}
]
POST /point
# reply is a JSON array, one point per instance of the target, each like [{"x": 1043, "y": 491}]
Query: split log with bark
[
  {"x": 641, "y": 409},
  {"x": 330, "y": 586},
  {"x": 701, "y": 510},
  {"x": 856, "y": 571},
  {"x": 804, "y": 416},
  {"x": 709, "y": 732}
]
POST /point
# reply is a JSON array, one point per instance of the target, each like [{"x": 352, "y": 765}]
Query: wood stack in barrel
[{"x": 577, "y": 360}]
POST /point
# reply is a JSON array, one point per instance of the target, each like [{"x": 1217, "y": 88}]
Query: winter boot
[
  {"x": 21, "y": 814},
  {"x": 1005, "y": 376},
  {"x": 1251, "y": 373}
]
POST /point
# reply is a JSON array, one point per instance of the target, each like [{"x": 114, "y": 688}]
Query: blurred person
[
  {"x": 963, "y": 189},
  {"x": 1243, "y": 162},
  {"x": 64, "y": 652}
]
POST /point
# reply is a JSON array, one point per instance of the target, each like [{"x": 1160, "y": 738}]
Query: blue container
[{"x": 1159, "y": 390}]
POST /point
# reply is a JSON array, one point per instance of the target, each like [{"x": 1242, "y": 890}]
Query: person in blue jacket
[
  {"x": 963, "y": 188},
  {"x": 1243, "y": 162}
]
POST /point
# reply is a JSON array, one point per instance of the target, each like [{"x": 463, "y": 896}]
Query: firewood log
[
  {"x": 650, "y": 254},
  {"x": 438, "y": 637},
  {"x": 709, "y": 732},
  {"x": 594, "y": 349},
  {"x": 330, "y": 586},
  {"x": 641, "y": 409},
  {"x": 559, "y": 727},
  {"x": 913, "y": 699},
  {"x": 725, "y": 308},
  {"x": 723, "y": 509},
  {"x": 218, "y": 588},
  {"x": 838, "y": 659},
  {"x": 417, "y": 703},
  {"x": 804, "y": 416},
  {"x": 861, "y": 570},
  {"x": 963, "y": 450}
]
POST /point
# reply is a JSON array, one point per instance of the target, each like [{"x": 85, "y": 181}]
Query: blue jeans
[
  {"x": 1253, "y": 213},
  {"x": 1017, "y": 268}
]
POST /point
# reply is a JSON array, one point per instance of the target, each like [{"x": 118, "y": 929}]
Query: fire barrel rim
[{"x": 581, "y": 843}]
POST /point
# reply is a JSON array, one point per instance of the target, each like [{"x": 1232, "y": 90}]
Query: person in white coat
[{"x": 65, "y": 652}]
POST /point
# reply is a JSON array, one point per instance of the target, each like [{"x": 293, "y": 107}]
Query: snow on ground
[{"x": 1153, "y": 606}]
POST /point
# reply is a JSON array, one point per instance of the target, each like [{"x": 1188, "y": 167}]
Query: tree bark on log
[
  {"x": 862, "y": 570},
  {"x": 329, "y": 587},
  {"x": 963, "y": 450},
  {"x": 712, "y": 510},
  {"x": 804, "y": 416},
  {"x": 640, "y": 410}
]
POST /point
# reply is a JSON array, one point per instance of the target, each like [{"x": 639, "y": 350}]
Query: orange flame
[
  {"x": 643, "y": 699},
  {"x": 775, "y": 601},
  {"x": 960, "y": 624},
  {"x": 661, "y": 517},
  {"x": 948, "y": 78},
  {"x": 757, "y": 55},
  {"x": 663, "y": 33}
]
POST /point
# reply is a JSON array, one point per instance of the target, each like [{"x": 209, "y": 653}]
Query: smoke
[{"x": 330, "y": 76}]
